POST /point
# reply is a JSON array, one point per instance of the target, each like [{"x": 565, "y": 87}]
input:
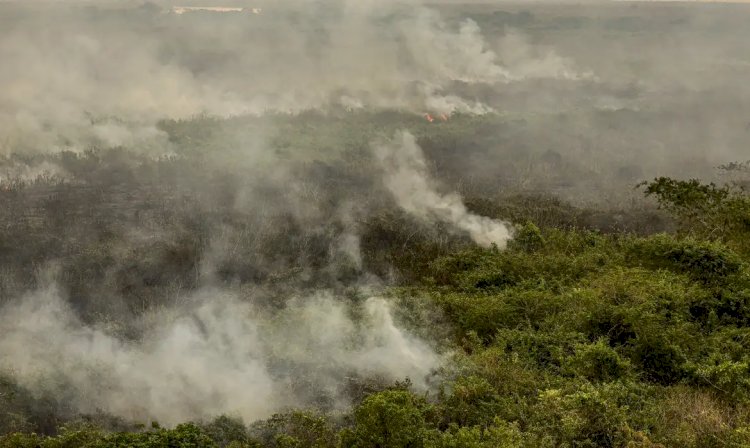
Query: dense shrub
[
  {"x": 297, "y": 429},
  {"x": 183, "y": 436},
  {"x": 389, "y": 419},
  {"x": 705, "y": 261},
  {"x": 598, "y": 362}
]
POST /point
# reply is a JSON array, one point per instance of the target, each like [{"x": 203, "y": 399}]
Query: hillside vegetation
[
  {"x": 572, "y": 336},
  {"x": 374, "y": 224}
]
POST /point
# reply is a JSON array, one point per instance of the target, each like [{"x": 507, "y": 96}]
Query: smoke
[
  {"x": 586, "y": 100},
  {"x": 406, "y": 177},
  {"x": 214, "y": 354},
  {"x": 77, "y": 77}
]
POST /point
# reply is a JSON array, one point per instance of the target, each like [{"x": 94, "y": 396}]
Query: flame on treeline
[
  {"x": 431, "y": 118},
  {"x": 183, "y": 9}
]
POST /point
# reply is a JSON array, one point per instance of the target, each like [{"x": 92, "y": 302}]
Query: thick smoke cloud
[
  {"x": 407, "y": 177},
  {"x": 214, "y": 354}
]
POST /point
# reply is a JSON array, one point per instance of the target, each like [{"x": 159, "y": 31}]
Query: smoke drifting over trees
[
  {"x": 355, "y": 207},
  {"x": 131, "y": 68},
  {"x": 215, "y": 354},
  {"x": 406, "y": 177}
]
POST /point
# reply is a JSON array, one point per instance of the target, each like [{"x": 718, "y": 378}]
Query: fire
[
  {"x": 183, "y": 9},
  {"x": 431, "y": 118}
]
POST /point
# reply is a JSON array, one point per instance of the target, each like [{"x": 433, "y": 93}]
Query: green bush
[
  {"x": 388, "y": 419},
  {"x": 225, "y": 430},
  {"x": 598, "y": 362},
  {"x": 707, "y": 211},
  {"x": 22, "y": 440},
  {"x": 658, "y": 358},
  {"x": 488, "y": 271},
  {"x": 528, "y": 238},
  {"x": 708, "y": 262},
  {"x": 585, "y": 417},
  {"x": 471, "y": 401},
  {"x": 539, "y": 349},
  {"x": 730, "y": 379},
  {"x": 724, "y": 307},
  {"x": 185, "y": 435},
  {"x": 300, "y": 429},
  {"x": 499, "y": 434},
  {"x": 485, "y": 314}
]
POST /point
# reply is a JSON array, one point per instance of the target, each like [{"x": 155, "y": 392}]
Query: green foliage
[
  {"x": 183, "y": 436},
  {"x": 605, "y": 326},
  {"x": 689, "y": 198},
  {"x": 728, "y": 377},
  {"x": 499, "y": 434},
  {"x": 598, "y": 362},
  {"x": 569, "y": 338},
  {"x": 528, "y": 238},
  {"x": 546, "y": 350},
  {"x": 726, "y": 307},
  {"x": 705, "y": 210},
  {"x": 659, "y": 359},
  {"x": 298, "y": 429},
  {"x": 472, "y": 401},
  {"x": 709, "y": 262},
  {"x": 587, "y": 416},
  {"x": 21, "y": 440},
  {"x": 186, "y": 435},
  {"x": 485, "y": 314},
  {"x": 388, "y": 419},
  {"x": 225, "y": 430},
  {"x": 492, "y": 271}
]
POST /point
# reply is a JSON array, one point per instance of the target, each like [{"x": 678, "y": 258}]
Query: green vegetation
[
  {"x": 616, "y": 317},
  {"x": 570, "y": 337}
]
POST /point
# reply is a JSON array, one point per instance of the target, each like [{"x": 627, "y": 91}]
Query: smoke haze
[
  {"x": 229, "y": 196},
  {"x": 127, "y": 77}
]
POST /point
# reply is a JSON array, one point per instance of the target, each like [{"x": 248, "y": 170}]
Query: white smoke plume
[
  {"x": 215, "y": 354},
  {"x": 406, "y": 176}
]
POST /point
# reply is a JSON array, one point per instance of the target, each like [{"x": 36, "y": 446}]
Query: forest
[{"x": 503, "y": 233}]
